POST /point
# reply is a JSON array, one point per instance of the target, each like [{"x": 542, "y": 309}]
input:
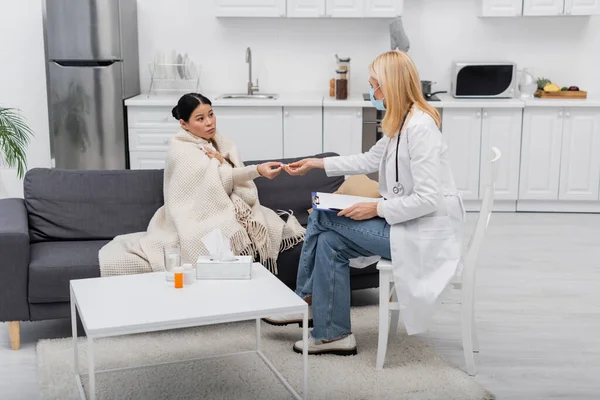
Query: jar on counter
[{"x": 341, "y": 85}]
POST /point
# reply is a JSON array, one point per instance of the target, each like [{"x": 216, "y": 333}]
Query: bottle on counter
[
  {"x": 342, "y": 85},
  {"x": 332, "y": 87}
]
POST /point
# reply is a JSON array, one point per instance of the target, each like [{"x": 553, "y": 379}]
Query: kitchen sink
[{"x": 248, "y": 96}]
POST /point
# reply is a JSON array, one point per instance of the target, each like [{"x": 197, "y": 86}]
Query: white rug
[{"x": 413, "y": 370}]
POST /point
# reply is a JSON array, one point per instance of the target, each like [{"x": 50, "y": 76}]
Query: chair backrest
[{"x": 483, "y": 220}]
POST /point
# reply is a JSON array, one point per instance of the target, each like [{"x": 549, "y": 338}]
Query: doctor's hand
[
  {"x": 211, "y": 153},
  {"x": 360, "y": 211},
  {"x": 303, "y": 166},
  {"x": 269, "y": 169}
]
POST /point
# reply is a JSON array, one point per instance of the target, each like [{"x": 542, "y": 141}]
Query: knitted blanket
[{"x": 200, "y": 196}]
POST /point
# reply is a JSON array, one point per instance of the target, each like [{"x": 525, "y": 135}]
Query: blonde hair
[{"x": 401, "y": 86}]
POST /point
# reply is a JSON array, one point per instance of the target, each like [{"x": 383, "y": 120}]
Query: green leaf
[{"x": 15, "y": 135}]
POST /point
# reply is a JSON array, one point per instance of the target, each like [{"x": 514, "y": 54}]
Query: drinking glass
[{"x": 172, "y": 256}]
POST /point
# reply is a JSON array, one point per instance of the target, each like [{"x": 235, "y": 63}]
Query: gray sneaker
[
  {"x": 282, "y": 320},
  {"x": 345, "y": 346}
]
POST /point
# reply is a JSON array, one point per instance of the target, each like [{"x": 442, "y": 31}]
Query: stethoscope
[{"x": 398, "y": 188}]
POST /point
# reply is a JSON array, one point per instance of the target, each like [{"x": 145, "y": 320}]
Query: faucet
[{"x": 251, "y": 88}]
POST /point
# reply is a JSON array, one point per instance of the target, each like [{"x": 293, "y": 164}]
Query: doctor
[{"x": 417, "y": 223}]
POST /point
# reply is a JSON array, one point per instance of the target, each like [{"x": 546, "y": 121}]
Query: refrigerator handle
[{"x": 93, "y": 64}]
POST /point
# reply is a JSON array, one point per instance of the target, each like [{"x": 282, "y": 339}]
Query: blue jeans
[{"x": 324, "y": 270}]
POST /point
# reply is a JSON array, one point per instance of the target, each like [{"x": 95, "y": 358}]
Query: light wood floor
[{"x": 538, "y": 314}]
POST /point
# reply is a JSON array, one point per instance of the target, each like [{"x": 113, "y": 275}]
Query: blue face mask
[{"x": 377, "y": 103}]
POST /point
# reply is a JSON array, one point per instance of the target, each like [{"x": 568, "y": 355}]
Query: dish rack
[{"x": 172, "y": 77}]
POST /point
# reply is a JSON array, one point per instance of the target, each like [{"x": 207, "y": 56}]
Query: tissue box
[{"x": 241, "y": 268}]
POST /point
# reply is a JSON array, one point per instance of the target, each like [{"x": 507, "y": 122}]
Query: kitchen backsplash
[{"x": 291, "y": 55}]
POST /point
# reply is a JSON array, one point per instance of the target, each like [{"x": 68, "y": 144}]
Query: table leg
[
  {"x": 91, "y": 372},
  {"x": 74, "y": 333},
  {"x": 258, "y": 334},
  {"x": 305, "y": 352}
]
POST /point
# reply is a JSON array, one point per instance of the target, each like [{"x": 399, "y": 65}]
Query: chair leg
[
  {"x": 395, "y": 314},
  {"x": 14, "y": 333},
  {"x": 474, "y": 339},
  {"x": 384, "y": 309},
  {"x": 466, "y": 311}
]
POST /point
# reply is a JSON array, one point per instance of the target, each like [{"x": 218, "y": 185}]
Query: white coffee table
[{"x": 129, "y": 304}]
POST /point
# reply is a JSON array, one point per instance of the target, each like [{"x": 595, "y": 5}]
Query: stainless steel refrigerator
[{"x": 92, "y": 67}]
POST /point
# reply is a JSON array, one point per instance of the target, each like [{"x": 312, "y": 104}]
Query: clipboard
[{"x": 332, "y": 202}]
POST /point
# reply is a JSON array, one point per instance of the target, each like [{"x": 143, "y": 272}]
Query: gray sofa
[{"x": 53, "y": 235}]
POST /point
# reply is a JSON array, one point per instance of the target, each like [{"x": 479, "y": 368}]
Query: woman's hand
[
  {"x": 360, "y": 211},
  {"x": 303, "y": 166},
  {"x": 211, "y": 153},
  {"x": 269, "y": 169}
]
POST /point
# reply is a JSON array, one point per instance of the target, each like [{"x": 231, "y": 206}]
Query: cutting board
[{"x": 561, "y": 95}]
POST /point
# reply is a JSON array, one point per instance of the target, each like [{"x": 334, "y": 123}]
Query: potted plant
[{"x": 14, "y": 138}]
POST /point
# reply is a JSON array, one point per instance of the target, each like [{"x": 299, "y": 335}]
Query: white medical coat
[{"x": 426, "y": 216}]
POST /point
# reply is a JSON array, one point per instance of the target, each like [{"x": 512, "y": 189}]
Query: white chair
[{"x": 389, "y": 311}]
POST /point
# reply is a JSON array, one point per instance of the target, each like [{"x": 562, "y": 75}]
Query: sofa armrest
[{"x": 14, "y": 263}]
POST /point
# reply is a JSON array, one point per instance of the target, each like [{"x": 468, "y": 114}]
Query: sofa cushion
[
  {"x": 90, "y": 205},
  {"x": 53, "y": 264},
  {"x": 294, "y": 192}
]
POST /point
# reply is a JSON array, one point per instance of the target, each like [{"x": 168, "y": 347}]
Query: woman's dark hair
[{"x": 187, "y": 104}]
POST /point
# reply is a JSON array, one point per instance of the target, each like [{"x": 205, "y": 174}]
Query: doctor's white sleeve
[
  {"x": 364, "y": 163},
  {"x": 424, "y": 146}
]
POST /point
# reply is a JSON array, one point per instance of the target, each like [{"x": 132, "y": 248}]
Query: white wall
[
  {"x": 298, "y": 54},
  {"x": 23, "y": 82}
]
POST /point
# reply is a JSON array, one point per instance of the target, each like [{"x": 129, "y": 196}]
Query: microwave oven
[{"x": 483, "y": 79}]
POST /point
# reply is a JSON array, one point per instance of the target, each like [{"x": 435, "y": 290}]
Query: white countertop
[
  {"x": 591, "y": 101},
  {"x": 285, "y": 99},
  {"x": 353, "y": 100},
  {"x": 356, "y": 100},
  {"x": 447, "y": 101}
]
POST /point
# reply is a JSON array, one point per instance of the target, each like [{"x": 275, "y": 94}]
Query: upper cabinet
[
  {"x": 345, "y": 8},
  {"x": 306, "y": 8},
  {"x": 561, "y": 7},
  {"x": 516, "y": 8},
  {"x": 250, "y": 8},
  {"x": 383, "y": 8},
  {"x": 310, "y": 8},
  {"x": 543, "y": 7},
  {"x": 501, "y": 8},
  {"x": 582, "y": 7}
]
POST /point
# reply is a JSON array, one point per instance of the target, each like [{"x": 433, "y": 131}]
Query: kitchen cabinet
[
  {"x": 310, "y": 8},
  {"x": 501, "y": 8},
  {"x": 543, "y": 7},
  {"x": 150, "y": 128},
  {"x": 470, "y": 134},
  {"x": 541, "y": 153},
  {"x": 501, "y": 128},
  {"x": 461, "y": 129},
  {"x": 560, "y": 154},
  {"x": 364, "y": 8},
  {"x": 383, "y": 8},
  {"x": 345, "y": 8},
  {"x": 147, "y": 159},
  {"x": 250, "y": 8},
  {"x": 582, "y": 7},
  {"x": 256, "y": 131},
  {"x": 561, "y": 7},
  {"x": 306, "y": 9},
  {"x": 342, "y": 130},
  {"x": 580, "y": 154},
  {"x": 302, "y": 131}
]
